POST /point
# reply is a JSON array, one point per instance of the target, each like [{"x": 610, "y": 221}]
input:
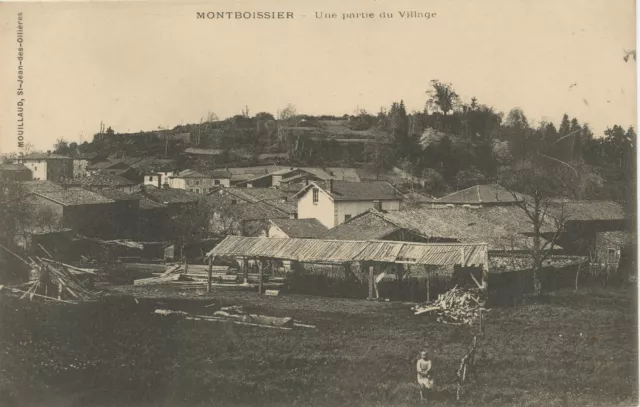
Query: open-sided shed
[{"x": 369, "y": 253}]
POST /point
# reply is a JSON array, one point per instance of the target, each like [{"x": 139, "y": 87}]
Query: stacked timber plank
[
  {"x": 56, "y": 281},
  {"x": 456, "y": 306},
  {"x": 237, "y": 315}
]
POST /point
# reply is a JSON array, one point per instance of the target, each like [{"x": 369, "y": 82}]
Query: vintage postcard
[{"x": 278, "y": 203}]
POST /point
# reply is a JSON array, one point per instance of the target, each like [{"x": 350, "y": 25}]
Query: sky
[{"x": 140, "y": 65}]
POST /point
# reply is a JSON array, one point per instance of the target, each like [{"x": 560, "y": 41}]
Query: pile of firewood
[{"x": 456, "y": 306}]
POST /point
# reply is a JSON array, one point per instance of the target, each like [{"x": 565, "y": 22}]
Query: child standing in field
[{"x": 425, "y": 377}]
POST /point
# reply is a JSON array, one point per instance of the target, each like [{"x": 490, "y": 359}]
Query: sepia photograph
[{"x": 305, "y": 203}]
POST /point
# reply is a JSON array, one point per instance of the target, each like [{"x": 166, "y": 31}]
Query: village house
[
  {"x": 200, "y": 182},
  {"x": 296, "y": 228},
  {"x": 111, "y": 167},
  {"x": 336, "y": 202},
  {"x": 156, "y": 171},
  {"x": 15, "y": 172},
  {"x": 85, "y": 212},
  {"x": 615, "y": 250},
  {"x": 48, "y": 166},
  {"x": 583, "y": 220},
  {"x": 82, "y": 162}
]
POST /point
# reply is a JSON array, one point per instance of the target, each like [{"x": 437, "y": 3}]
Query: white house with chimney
[{"x": 335, "y": 202}]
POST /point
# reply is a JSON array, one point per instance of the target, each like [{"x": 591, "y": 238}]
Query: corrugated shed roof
[
  {"x": 340, "y": 251},
  {"x": 301, "y": 228},
  {"x": 74, "y": 197},
  {"x": 480, "y": 194}
]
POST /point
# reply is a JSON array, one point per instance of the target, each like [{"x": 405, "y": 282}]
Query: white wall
[
  {"x": 275, "y": 231},
  {"x": 153, "y": 179},
  {"x": 177, "y": 183},
  {"x": 354, "y": 208},
  {"x": 323, "y": 210},
  {"x": 37, "y": 167}
]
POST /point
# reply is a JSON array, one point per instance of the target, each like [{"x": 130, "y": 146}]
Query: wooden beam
[
  {"x": 371, "y": 282},
  {"x": 209, "y": 272},
  {"x": 260, "y": 283}
]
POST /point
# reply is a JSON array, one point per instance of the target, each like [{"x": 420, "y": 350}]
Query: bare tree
[{"x": 536, "y": 187}]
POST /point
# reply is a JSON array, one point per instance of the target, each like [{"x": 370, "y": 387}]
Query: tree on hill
[{"x": 442, "y": 97}]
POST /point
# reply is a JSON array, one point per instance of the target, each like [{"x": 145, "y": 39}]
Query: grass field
[{"x": 570, "y": 349}]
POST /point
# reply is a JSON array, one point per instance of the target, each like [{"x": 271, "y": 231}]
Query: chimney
[
  {"x": 165, "y": 185},
  {"x": 330, "y": 185}
]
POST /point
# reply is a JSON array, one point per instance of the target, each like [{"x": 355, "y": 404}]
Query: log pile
[{"x": 457, "y": 306}]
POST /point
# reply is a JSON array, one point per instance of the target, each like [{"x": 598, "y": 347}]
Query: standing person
[{"x": 425, "y": 376}]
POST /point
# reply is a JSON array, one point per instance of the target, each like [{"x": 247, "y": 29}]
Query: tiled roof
[
  {"x": 74, "y": 197},
  {"x": 460, "y": 224},
  {"x": 588, "y": 210},
  {"x": 512, "y": 218},
  {"x": 118, "y": 195},
  {"x": 480, "y": 194},
  {"x": 304, "y": 228},
  {"x": 368, "y": 226},
  {"x": 618, "y": 237},
  {"x": 219, "y": 174},
  {"x": 43, "y": 156},
  {"x": 169, "y": 195},
  {"x": 104, "y": 179},
  {"x": 43, "y": 185},
  {"x": 257, "y": 211},
  {"x": 146, "y": 203},
  {"x": 103, "y": 165},
  {"x": 13, "y": 167},
  {"x": 282, "y": 200},
  {"x": 359, "y": 191}
]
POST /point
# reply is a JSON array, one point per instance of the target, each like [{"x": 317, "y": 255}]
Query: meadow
[{"x": 567, "y": 349}]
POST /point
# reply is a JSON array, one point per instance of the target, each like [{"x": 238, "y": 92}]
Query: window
[
  {"x": 611, "y": 256},
  {"x": 315, "y": 195},
  {"x": 197, "y": 182},
  {"x": 347, "y": 217},
  {"x": 216, "y": 182},
  {"x": 197, "y": 190},
  {"x": 234, "y": 201},
  {"x": 150, "y": 178}
]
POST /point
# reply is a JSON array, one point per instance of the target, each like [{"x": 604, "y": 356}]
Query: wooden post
[
  {"x": 185, "y": 262},
  {"x": 371, "y": 282},
  {"x": 209, "y": 274},
  {"x": 245, "y": 270},
  {"x": 462, "y": 259},
  {"x": 428, "y": 285},
  {"x": 261, "y": 270},
  {"x": 481, "y": 323}
]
